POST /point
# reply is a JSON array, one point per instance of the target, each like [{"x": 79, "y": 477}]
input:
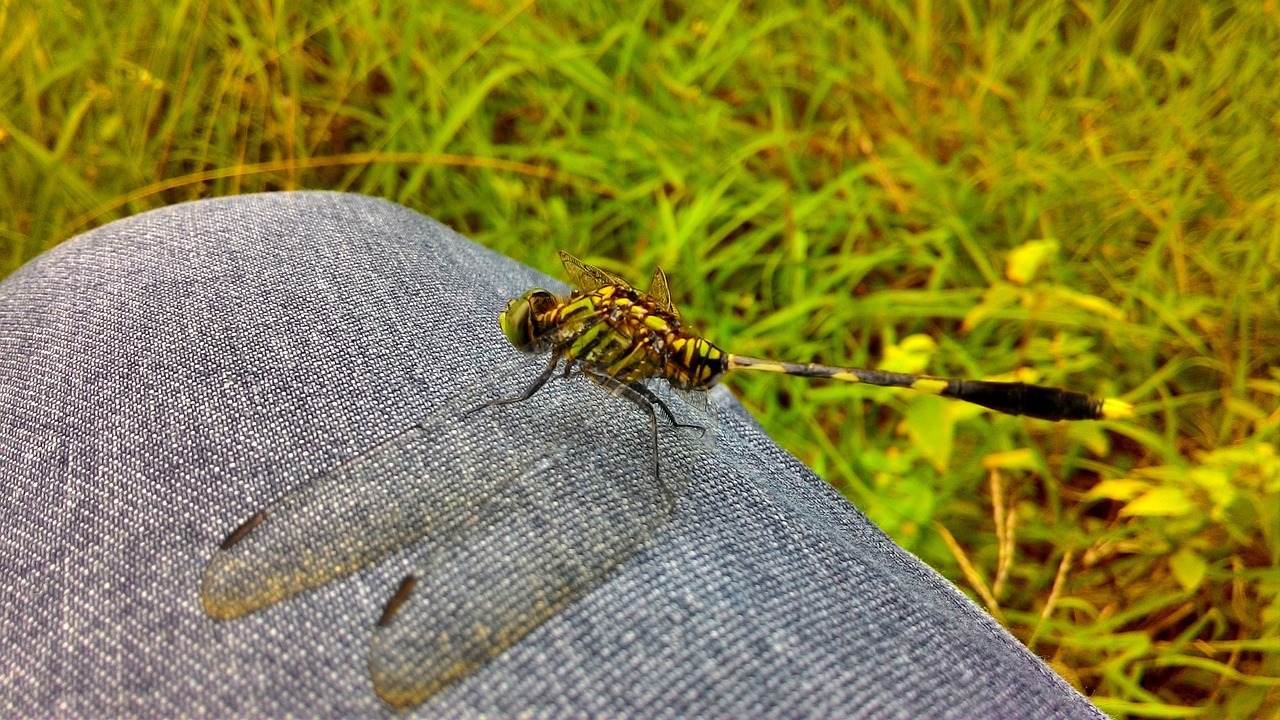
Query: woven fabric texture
[{"x": 165, "y": 376}]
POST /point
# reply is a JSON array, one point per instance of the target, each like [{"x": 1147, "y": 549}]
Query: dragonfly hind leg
[
  {"x": 653, "y": 399},
  {"x": 645, "y": 399}
]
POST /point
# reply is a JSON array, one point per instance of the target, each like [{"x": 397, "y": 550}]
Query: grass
[{"x": 1085, "y": 193}]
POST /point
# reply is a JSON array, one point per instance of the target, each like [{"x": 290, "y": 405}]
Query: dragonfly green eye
[{"x": 520, "y": 320}]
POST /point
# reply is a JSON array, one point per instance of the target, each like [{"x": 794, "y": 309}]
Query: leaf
[
  {"x": 1091, "y": 303},
  {"x": 912, "y": 355},
  {"x": 1160, "y": 501},
  {"x": 1092, "y": 436},
  {"x": 995, "y": 299},
  {"x": 1025, "y": 260},
  {"x": 932, "y": 429},
  {"x": 1118, "y": 489},
  {"x": 1217, "y": 483},
  {"x": 1020, "y": 459},
  {"x": 1188, "y": 568}
]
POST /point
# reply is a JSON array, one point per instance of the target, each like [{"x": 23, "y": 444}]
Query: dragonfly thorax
[{"x": 616, "y": 331}]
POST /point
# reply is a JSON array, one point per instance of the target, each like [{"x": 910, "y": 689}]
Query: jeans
[{"x": 165, "y": 376}]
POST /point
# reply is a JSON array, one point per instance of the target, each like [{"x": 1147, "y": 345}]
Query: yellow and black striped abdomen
[{"x": 696, "y": 364}]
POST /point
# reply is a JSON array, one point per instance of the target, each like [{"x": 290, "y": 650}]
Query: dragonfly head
[{"x": 523, "y": 320}]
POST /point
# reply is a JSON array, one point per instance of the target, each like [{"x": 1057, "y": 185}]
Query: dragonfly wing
[
  {"x": 660, "y": 291},
  {"x": 428, "y": 479},
  {"x": 539, "y": 544},
  {"x": 588, "y": 277},
  {"x": 346, "y": 519}
]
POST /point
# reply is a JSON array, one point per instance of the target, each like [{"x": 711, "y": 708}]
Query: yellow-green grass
[{"x": 1083, "y": 192}]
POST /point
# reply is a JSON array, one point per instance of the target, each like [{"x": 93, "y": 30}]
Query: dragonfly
[
  {"x": 508, "y": 502},
  {"x": 623, "y": 336}
]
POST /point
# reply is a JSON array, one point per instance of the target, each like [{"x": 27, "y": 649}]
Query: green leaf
[
  {"x": 1188, "y": 568},
  {"x": 912, "y": 355},
  {"x": 995, "y": 299},
  {"x": 1021, "y": 459},
  {"x": 1118, "y": 489},
  {"x": 1024, "y": 261},
  {"x": 932, "y": 429},
  {"x": 1160, "y": 501},
  {"x": 1090, "y": 303}
]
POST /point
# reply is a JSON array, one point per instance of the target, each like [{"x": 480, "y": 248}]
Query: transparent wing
[
  {"x": 588, "y": 277},
  {"x": 354, "y": 515},
  {"x": 660, "y": 292},
  {"x": 549, "y": 541},
  {"x": 427, "y": 479},
  {"x": 512, "y": 512}
]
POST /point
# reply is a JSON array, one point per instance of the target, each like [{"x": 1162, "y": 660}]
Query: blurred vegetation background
[{"x": 1076, "y": 193}]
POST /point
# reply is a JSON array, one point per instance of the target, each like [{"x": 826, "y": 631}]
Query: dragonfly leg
[
  {"x": 644, "y": 399},
  {"x": 653, "y": 399},
  {"x": 528, "y": 391}
]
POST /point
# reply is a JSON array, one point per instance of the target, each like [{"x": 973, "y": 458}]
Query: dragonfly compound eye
[{"x": 520, "y": 321}]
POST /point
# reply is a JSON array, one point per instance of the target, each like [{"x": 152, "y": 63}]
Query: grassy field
[{"x": 1083, "y": 194}]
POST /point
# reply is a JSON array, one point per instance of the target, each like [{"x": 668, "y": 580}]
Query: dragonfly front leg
[{"x": 531, "y": 389}]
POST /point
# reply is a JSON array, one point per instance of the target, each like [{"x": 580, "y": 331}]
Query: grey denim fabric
[{"x": 165, "y": 376}]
